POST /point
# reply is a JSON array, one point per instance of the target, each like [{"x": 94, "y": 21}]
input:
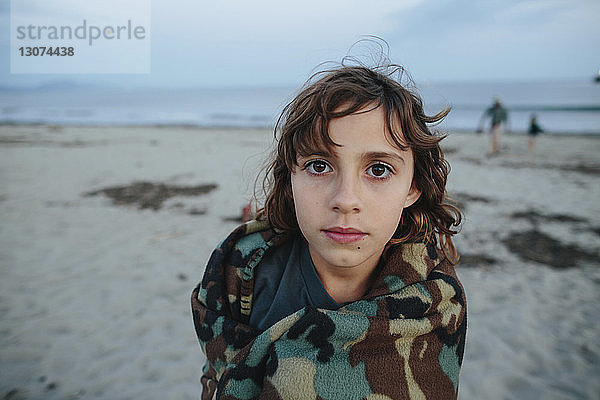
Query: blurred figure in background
[
  {"x": 534, "y": 129},
  {"x": 499, "y": 119}
]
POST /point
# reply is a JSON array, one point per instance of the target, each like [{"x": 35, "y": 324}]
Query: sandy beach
[{"x": 106, "y": 230}]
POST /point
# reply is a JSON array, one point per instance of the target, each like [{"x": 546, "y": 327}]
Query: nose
[{"x": 346, "y": 197}]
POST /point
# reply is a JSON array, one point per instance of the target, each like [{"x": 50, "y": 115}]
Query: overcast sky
[{"x": 232, "y": 43}]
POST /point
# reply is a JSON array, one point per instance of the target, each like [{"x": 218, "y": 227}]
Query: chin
[{"x": 348, "y": 260}]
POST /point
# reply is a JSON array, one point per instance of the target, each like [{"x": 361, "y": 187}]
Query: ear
[{"x": 413, "y": 195}]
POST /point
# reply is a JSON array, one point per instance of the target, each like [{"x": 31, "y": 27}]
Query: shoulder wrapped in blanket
[{"x": 403, "y": 340}]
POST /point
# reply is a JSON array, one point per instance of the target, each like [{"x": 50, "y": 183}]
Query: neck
[{"x": 346, "y": 284}]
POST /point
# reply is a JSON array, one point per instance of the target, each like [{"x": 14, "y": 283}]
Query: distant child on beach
[
  {"x": 498, "y": 121},
  {"x": 344, "y": 286},
  {"x": 532, "y": 132}
]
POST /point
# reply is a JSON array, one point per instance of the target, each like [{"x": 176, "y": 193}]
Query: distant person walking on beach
[
  {"x": 499, "y": 119},
  {"x": 534, "y": 129}
]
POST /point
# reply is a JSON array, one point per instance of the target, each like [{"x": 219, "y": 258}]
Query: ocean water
[{"x": 561, "y": 106}]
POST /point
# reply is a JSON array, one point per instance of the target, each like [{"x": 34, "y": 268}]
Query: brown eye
[
  {"x": 318, "y": 167},
  {"x": 380, "y": 171}
]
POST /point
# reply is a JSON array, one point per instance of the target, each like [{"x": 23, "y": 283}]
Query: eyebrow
[
  {"x": 382, "y": 155},
  {"x": 318, "y": 153},
  {"x": 372, "y": 155}
]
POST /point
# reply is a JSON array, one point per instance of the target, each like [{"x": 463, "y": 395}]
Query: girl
[{"x": 344, "y": 286}]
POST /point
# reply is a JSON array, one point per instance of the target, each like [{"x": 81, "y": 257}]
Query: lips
[{"x": 344, "y": 235}]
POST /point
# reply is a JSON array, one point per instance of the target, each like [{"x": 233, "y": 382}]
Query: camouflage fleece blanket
[{"x": 404, "y": 340}]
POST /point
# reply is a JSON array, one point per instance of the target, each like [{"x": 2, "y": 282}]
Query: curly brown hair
[{"x": 303, "y": 127}]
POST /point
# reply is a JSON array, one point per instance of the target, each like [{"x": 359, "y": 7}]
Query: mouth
[{"x": 344, "y": 235}]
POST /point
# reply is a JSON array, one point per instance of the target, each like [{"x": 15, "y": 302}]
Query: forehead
[
  {"x": 369, "y": 129},
  {"x": 368, "y": 124}
]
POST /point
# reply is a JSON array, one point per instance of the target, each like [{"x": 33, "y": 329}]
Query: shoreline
[{"x": 52, "y": 126}]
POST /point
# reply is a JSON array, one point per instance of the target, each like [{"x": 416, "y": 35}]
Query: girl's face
[{"x": 349, "y": 202}]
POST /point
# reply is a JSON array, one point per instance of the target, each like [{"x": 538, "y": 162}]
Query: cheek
[
  {"x": 301, "y": 197},
  {"x": 389, "y": 210},
  {"x": 390, "y": 218}
]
